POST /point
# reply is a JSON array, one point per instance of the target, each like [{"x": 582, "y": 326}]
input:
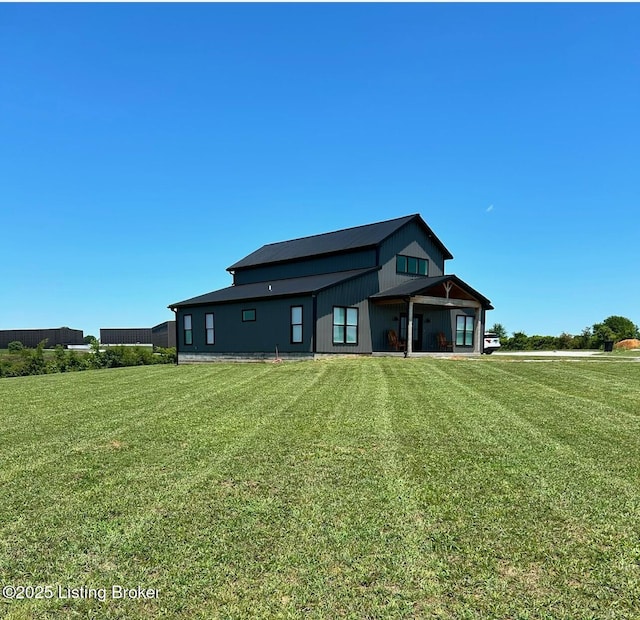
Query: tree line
[{"x": 612, "y": 329}]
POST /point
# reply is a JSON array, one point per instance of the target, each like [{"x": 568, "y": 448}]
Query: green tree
[
  {"x": 602, "y": 333},
  {"x": 500, "y": 330},
  {"x": 519, "y": 341},
  {"x": 585, "y": 340},
  {"x": 89, "y": 339},
  {"x": 622, "y": 327},
  {"x": 15, "y": 346},
  {"x": 614, "y": 328}
]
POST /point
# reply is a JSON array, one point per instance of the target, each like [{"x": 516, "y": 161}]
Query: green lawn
[{"x": 358, "y": 488}]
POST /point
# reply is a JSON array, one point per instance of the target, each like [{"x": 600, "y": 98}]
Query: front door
[{"x": 417, "y": 330}]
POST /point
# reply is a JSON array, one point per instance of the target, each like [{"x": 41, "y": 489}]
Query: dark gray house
[{"x": 371, "y": 289}]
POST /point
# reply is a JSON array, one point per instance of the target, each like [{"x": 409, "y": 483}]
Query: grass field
[{"x": 357, "y": 488}]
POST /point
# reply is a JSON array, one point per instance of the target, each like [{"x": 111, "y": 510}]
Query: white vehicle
[{"x": 491, "y": 343}]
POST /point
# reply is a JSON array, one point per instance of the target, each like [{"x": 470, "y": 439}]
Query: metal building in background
[
  {"x": 164, "y": 334},
  {"x": 32, "y": 337},
  {"x": 126, "y": 335}
]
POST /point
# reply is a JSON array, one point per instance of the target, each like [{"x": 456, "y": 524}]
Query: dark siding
[
  {"x": 32, "y": 337},
  {"x": 382, "y": 320},
  {"x": 271, "y": 328},
  {"x": 164, "y": 334},
  {"x": 434, "y": 321},
  {"x": 353, "y": 293},
  {"x": 133, "y": 335},
  {"x": 307, "y": 267},
  {"x": 412, "y": 241},
  {"x": 466, "y": 312},
  {"x": 440, "y": 323}
]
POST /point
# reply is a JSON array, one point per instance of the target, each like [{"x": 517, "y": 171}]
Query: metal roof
[
  {"x": 418, "y": 286},
  {"x": 369, "y": 235},
  {"x": 274, "y": 288}
]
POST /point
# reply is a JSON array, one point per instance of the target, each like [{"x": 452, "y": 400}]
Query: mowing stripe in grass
[{"x": 383, "y": 488}]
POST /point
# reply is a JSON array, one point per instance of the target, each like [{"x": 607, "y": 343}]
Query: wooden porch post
[{"x": 410, "y": 328}]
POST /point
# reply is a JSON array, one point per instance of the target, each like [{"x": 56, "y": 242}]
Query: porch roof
[{"x": 429, "y": 285}]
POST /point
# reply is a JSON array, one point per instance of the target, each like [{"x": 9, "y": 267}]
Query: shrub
[
  {"x": 166, "y": 356},
  {"x": 35, "y": 360},
  {"x": 59, "y": 360},
  {"x": 76, "y": 362},
  {"x": 15, "y": 347},
  {"x": 32, "y": 361}
]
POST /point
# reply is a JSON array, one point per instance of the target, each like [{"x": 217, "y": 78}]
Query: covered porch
[{"x": 430, "y": 315}]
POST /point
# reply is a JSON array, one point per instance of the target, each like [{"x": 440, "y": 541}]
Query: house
[{"x": 377, "y": 288}]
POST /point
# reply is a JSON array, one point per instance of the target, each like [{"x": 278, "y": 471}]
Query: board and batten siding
[
  {"x": 351, "y": 294},
  {"x": 410, "y": 240},
  {"x": 271, "y": 329},
  {"x": 311, "y": 266}
]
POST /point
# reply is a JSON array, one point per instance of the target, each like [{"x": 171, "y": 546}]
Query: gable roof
[
  {"x": 419, "y": 286},
  {"x": 274, "y": 288},
  {"x": 347, "y": 239}
]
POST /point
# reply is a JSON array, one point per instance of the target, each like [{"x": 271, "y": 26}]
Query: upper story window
[
  {"x": 249, "y": 315},
  {"x": 412, "y": 265}
]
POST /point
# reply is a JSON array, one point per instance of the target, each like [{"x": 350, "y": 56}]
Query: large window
[
  {"x": 249, "y": 315},
  {"x": 296, "y": 324},
  {"x": 345, "y": 325},
  {"x": 464, "y": 331},
  {"x": 188, "y": 331},
  {"x": 209, "y": 326},
  {"x": 412, "y": 265}
]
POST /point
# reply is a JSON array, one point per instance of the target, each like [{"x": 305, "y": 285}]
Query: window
[
  {"x": 209, "y": 329},
  {"x": 248, "y": 315},
  {"x": 412, "y": 265},
  {"x": 345, "y": 325},
  {"x": 296, "y": 324},
  {"x": 188, "y": 332},
  {"x": 464, "y": 331}
]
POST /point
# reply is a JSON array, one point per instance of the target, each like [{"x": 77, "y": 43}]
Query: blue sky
[{"x": 144, "y": 148}]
